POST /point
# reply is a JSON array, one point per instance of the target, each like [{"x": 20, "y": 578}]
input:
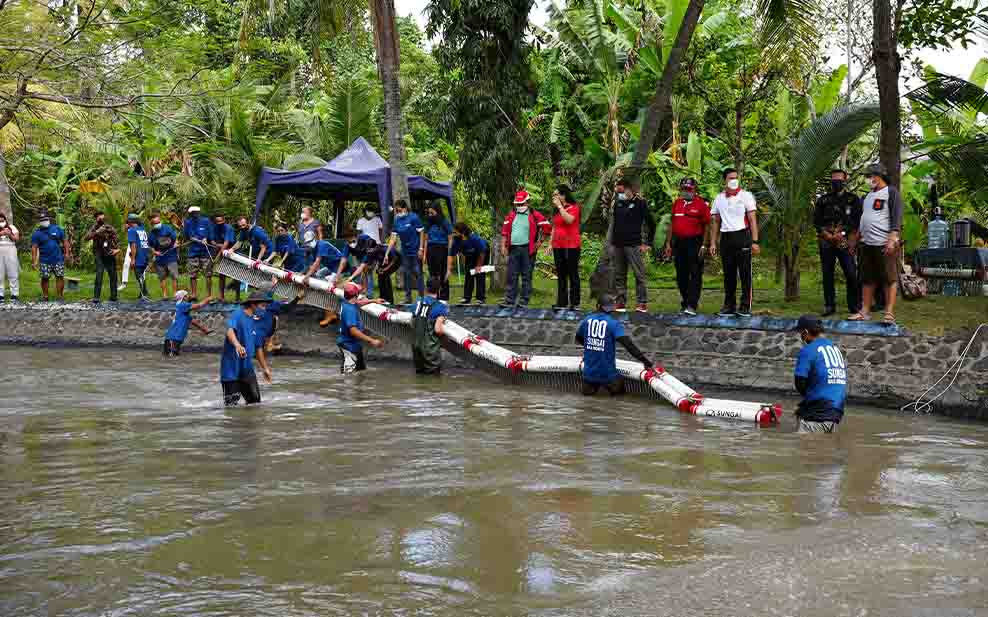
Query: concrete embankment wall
[{"x": 886, "y": 371}]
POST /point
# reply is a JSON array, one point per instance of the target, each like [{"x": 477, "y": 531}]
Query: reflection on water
[{"x": 129, "y": 491}]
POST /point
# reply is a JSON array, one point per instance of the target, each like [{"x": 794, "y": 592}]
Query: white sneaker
[{"x": 689, "y": 312}]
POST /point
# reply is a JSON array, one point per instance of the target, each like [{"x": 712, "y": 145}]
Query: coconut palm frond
[
  {"x": 821, "y": 142},
  {"x": 352, "y": 114},
  {"x": 943, "y": 93},
  {"x": 967, "y": 162},
  {"x": 788, "y": 30},
  {"x": 302, "y": 160}
]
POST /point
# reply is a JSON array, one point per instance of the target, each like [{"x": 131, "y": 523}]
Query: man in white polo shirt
[{"x": 735, "y": 230}]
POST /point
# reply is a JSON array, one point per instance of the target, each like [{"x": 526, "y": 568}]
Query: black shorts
[
  {"x": 245, "y": 387},
  {"x": 171, "y": 348},
  {"x": 615, "y": 388}
]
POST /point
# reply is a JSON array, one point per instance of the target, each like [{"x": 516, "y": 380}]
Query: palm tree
[
  {"x": 813, "y": 153},
  {"x": 387, "y": 43}
]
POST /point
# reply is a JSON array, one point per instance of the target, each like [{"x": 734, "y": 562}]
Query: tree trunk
[
  {"x": 792, "y": 271},
  {"x": 662, "y": 101},
  {"x": 739, "y": 137},
  {"x": 5, "y": 192},
  {"x": 388, "y": 59},
  {"x": 886, "y": 56}
]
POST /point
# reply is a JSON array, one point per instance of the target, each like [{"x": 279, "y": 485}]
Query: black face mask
[{"x": 837, "y": 186}]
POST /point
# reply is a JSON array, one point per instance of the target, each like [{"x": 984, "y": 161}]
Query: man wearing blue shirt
[
  {"x": 351, "y": 334},
  {"x": 198, "y": 232},
  {"x": 260, "y": 242},
  {"x": 410, "y": 230},
  {"x": 599, "y": 334},
  {"x": 821, "y": 377},
  {"x": 239, "y": 348},
  {"x": 359, "y": 247},
  {"x": 292, "y": 257},
  {"x": 164, "y": 246},
  {"x": 476, "y": 254},
  {"x": 223, "y": 239},
  {"x": 49, "y": 249},
  {"x": 428, "y": 323},
  {"x": 179, "y": 328},
  {"x": 140, "y": 251}
]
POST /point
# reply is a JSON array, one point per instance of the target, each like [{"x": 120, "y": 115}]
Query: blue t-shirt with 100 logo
[
  {"x": 823, "y": 366},
  {"x": 600, "y": 332}
]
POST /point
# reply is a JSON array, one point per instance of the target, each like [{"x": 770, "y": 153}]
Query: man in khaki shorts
[{"x": 877, "y": 243}]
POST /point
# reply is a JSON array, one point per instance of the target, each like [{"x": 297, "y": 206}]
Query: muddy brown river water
[{"x": 125, "y": 490}]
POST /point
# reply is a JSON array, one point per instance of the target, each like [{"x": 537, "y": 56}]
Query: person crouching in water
[
  {"x": 598, "y": 334},
  {"x": 352, "y": 335},
  {"x": 179, "y": 329},
  {"x": 821, "y": 377},
  {"x": 428, "y": 323},
  {"x": 239, "y": 348}
]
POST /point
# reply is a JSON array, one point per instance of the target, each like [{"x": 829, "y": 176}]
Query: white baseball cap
[
  {"x": 194, "y": 208},
  {"x": 180, "y": 295}
]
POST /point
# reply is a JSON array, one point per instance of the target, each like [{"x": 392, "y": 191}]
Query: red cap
[
  {"x": 521, "y": 197},
  {"x": 351, "y": 291}
]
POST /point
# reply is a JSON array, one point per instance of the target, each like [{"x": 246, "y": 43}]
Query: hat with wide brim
[
  {"x": 256, "y": 298},
  {"x": 522, "y": 197}
]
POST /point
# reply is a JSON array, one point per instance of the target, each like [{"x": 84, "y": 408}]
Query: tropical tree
[
  {"x": 386, "y": 40},
  {"x": 814, "y": 150}
]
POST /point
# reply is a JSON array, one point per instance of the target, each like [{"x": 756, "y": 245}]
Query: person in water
[
  {"x": 351, "y": 335},
  {"x": 179, "y": 330},
  {"x": 428, "y": 323},
  {"x": 239, "y": 348},
  {"x": 821, "y": 377},
  {"x": 598, "y": 334},
  {"x": 267, "y": 322}
]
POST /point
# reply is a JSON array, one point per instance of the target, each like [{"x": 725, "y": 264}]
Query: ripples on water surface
[{"x": 128, "y": 491}]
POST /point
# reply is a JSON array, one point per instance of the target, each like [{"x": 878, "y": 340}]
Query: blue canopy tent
[{"x": 358, "y": 174}]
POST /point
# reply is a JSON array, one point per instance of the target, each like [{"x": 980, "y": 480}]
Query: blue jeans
[
  {"x": 413, "y": 275},
  {"x": 520, "y": 264}
]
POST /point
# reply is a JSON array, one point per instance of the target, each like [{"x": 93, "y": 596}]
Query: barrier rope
[{"x": 921, "y": 406}]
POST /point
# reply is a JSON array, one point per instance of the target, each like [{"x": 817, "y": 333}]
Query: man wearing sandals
[{"x": 877, "y": 243}]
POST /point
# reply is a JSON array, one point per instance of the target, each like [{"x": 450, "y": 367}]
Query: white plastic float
[{"x": 681, "y": 396}]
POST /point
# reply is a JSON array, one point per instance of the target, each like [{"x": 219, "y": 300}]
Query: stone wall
[{"x": 887, "y": 371}]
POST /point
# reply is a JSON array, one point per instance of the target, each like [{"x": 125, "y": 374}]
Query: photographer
[{"x": 105, "y": 249}]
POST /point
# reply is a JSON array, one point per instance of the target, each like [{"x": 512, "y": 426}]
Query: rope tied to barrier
[{"x": 923, "y": 406}]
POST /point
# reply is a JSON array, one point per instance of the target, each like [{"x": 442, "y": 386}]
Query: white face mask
[
  {"x": 733, "y": 184},
  {"x": 369, "y": 214},
  {"x": 156, "y": 226},
  {"x": 3, "y": 224},
  {"x": 873, "y": 183},
  {"x": 521, "y": 208},
  {"x": 45, "y": 224},
  {"x": 402, "y": 214}
]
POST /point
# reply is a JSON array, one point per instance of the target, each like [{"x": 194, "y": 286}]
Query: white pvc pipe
[{"x": 681, "y": 396}]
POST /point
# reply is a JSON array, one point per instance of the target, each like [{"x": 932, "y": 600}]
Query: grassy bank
[{"x": 933, "y": 314}]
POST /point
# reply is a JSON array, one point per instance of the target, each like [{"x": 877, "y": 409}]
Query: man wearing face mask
[
  {"x": 359, "y": 247},
  {"x": 9, "y": 265},
  {"x": 835, "y": 218},
  {"x": 523, "y": 231},
  {"x": 198, "y": 232},
  {"x": 877, "y": 243},
  {"x": 735, "y": 227},
  {"x": 105, "y": 249},
  {"x": 164, "y": 245},
  {"x": 255, "y": 236},
  {"x": 685, "y": 240},
  {"x": 632, "y": 233},
  {"x": 409, "y": 229},
  {"x": 309, "y": 232},
  {"x": 370, "y": 225},
  {"x": 49, "y": 250}
]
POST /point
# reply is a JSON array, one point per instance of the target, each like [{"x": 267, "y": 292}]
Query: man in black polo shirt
[
  {"x": 632, "y": 233},
  {"x": 836, "y": 217}
]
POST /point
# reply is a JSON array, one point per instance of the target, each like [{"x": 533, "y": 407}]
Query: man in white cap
[
  {"x": 197, "y": 232},
  {"x": 179, "y": 329}
]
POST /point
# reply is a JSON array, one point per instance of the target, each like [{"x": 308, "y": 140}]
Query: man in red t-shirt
[{"x": 690, "y": 217}]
